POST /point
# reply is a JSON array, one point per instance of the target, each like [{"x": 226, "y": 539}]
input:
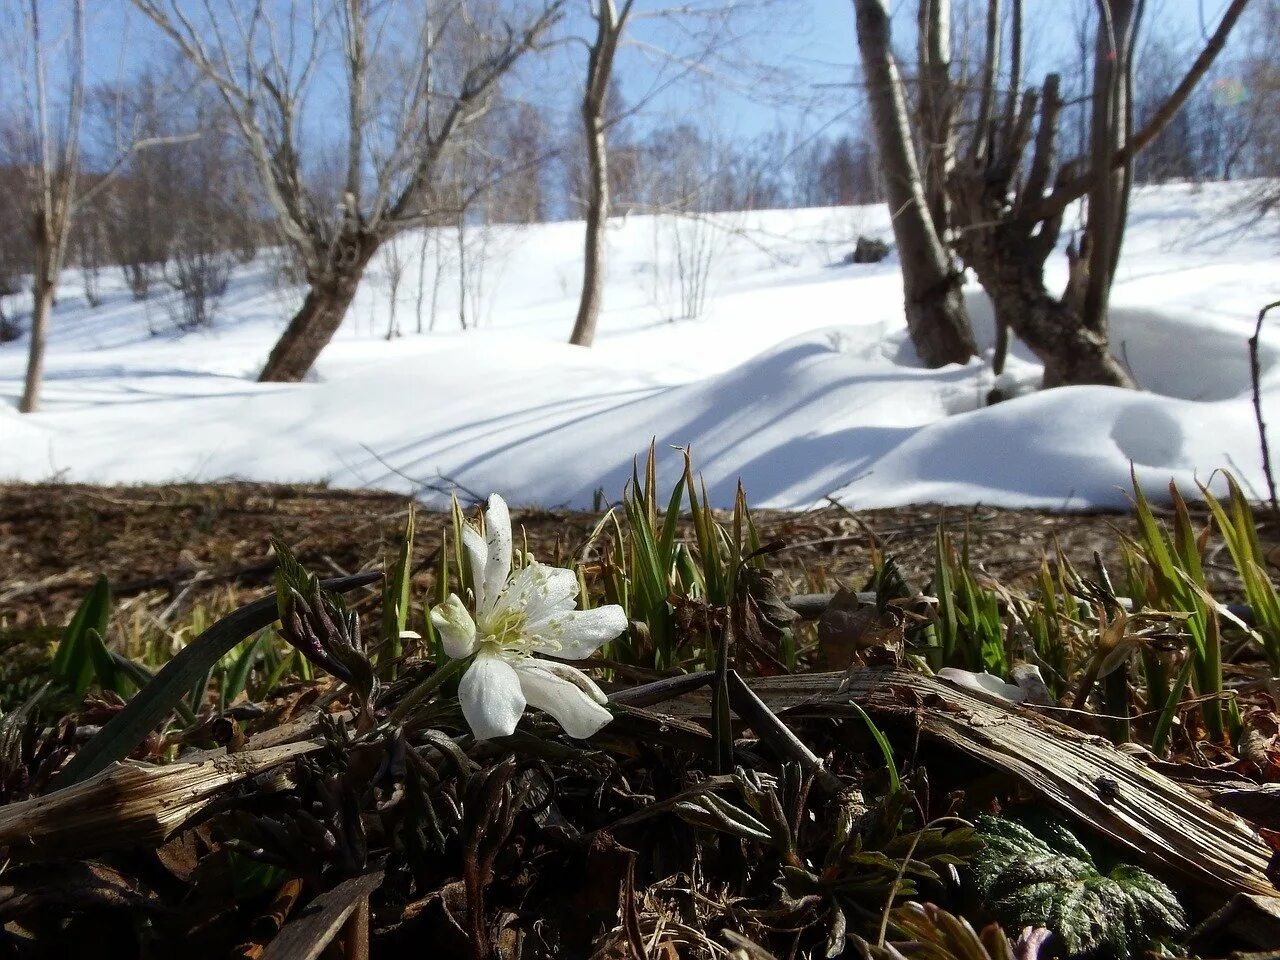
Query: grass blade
[
  {"x": 73, "y": 662},
  {"x": 395, "y": 600},
  {"x": 895, "y": 781}
]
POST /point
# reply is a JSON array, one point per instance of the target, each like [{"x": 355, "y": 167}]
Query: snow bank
[{"x": 798, "y": 378}]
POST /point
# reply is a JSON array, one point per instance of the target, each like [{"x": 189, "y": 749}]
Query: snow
[{"x": 797, "y": 377}]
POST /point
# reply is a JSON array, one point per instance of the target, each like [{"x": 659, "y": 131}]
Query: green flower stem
[{"x": 439, "y": 677}]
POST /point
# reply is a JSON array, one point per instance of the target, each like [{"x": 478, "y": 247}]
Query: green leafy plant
[
  {"x": 670, "y": 588},
  {"x": 1178, "y": 582},
  {"x": 395, "y": 597},
  {"x": 1235, "y": 522},
  {"x": 968, "y": 628},
  {"x": 1049, "y": 879},
  {"x": 163, "y": 694}
]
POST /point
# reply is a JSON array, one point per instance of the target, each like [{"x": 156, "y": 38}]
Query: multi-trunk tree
[
  {"x": 1011, "y": 190},
  {"x": 999, "y": 195},
  {"x": 413, "y": 79}
]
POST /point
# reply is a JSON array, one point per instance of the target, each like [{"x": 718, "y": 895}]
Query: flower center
[{"x": 505, "y": 633}]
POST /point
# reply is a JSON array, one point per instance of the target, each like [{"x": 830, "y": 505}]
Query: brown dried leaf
[{"x": 848, "y": 628}]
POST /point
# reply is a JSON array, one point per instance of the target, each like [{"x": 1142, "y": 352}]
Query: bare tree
[
  {"x": 711, "y": 42},
  {"x": 52, "y": 161},
  {"x": 435, "y": 239},
  {"x": 935, "y": 310},
  {"x": 54, "y": 172},
  {"x": 189, "y": 192},
  {"x": 1010, "y": 193},
  {"x": 1258, "y": 97},
  {"x": 415, "y": 82},
  {"x": 518, "y": 157}
]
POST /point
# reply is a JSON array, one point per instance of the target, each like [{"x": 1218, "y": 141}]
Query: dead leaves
[{"x": 848, "y": 628}]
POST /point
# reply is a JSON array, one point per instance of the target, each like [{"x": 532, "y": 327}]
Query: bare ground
[{"x": 188, "y": 543}]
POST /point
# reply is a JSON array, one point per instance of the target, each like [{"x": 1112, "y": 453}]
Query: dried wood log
[
  {"x": 128, "y": 803},
  {"x": 1085, "y": 777}
]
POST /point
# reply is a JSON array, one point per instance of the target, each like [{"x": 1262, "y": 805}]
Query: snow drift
[{"x": 798, "y": 378}]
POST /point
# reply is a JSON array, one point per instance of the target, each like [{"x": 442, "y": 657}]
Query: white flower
[{"x": 534, "y": 611}]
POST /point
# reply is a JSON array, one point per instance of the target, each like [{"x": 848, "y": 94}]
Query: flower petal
[
  {"x": 457, "y": 629},
  {"x": 497, "y": 528},
  {"x": 983, "y": 683},
  {"x": 567, "y": 694},
  {"x": 559, "y": 584},
  {"x": 477, "y": 558},
  {"x": 538, "y": 592},
  {"x": 491, "y": 697},
  {"x": 578, "y": 634}
]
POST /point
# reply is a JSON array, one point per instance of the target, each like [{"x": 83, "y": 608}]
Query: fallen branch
[{"x": 1085, "y": 777}]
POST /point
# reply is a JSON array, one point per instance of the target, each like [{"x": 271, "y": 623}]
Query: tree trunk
[
  {"x": 1111, "y": 122},
  {"x": 43, "y": 307},
  {"x": 1054, "y": 329},
  {"x": 936, "y": 317},
  {"x": 584, "y": 327},
  {"x": 313, "y": 326},
  {"x": 43, "y": 284},
  {"x": 937, "y": 107}
]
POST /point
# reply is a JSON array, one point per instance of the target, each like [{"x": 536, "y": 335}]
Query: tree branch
[{"x": 1078, "y": 186}]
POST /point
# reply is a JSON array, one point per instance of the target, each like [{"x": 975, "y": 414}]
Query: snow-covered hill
[{"x": 797, "y": 377}]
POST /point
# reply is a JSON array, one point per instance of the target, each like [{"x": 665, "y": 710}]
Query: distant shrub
[
  {"x": 199, "y": 272},
  {"x": 868, "y": 250}
]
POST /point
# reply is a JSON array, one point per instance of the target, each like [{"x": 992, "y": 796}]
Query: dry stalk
[{"x": 129, "y": 803}]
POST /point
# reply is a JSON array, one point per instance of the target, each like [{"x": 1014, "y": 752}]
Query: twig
[
  {"x": 1255, "y": 377},
  {"x": 442, "y": 484},
  {"x": 776, "y": 733}
]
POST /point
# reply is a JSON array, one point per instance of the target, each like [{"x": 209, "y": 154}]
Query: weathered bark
[
  {"x": 936, "y": 317},
  {"x": 129, "y": 805},
  {"x": 1007, "y": 246},
  {"x": 1008, "y": 225},
  {"x": 1167, "y": 828},
  {"x": 1054, "y": 329},
  {"x": 1010, "y": 266},
  {"x": 322, "y": 312}
]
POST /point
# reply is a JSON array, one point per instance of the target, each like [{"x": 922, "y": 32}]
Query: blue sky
[{"x": 813, "y": 41}]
